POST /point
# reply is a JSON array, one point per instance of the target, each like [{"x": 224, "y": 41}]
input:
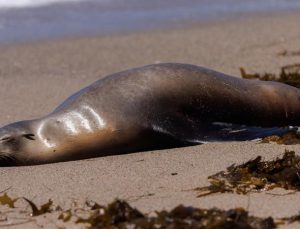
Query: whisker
[{"x": 7, "y": 160}]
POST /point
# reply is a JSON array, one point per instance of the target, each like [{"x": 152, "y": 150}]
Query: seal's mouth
[{"x": 7, "y": 160}]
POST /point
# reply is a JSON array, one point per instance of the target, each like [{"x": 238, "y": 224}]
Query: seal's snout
[
  {"x": 7, "y": 149},
  {"x": 17, "y": 142},
  {"x": 10, "y": 144}
]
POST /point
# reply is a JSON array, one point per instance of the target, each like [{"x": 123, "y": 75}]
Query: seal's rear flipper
[{"x": 180, "y": 131}]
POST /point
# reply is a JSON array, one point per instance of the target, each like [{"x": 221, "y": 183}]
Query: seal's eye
[
  {"x": 7, "y": 139},
  {"x": 29, "y": 136}
]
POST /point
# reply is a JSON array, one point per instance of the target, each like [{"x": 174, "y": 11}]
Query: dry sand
[{"x": 36, "y": 77}]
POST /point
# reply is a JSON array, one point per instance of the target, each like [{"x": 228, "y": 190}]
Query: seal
[{"x": 151, "y": 107}]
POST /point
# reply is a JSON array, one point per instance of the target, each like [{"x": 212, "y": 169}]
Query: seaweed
[
  {"x": 253, "y": 175},
  {"x": 256, "y": 175},
  {"x": 292, "y": 137},
  {"x": 66, "y": 216},
  {"x": 45, "y": 208},
  {"x": 120, "y": 214},
  {"x": 115, "y": 213},
  {"x": 289, "y": 74},
  {"x": 6, "y": 200}
]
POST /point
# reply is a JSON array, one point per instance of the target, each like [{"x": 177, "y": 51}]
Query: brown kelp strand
[
  {"x": 45, "y": 208},
  {"x": 256, "y": 175},
  {"x": 119, "y": 214},
  {"x": 6, "y": 200},
  {"x": 289, "y": 74}
]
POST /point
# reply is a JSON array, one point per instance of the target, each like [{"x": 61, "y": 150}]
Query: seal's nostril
[{"x": 29, "y": 136}]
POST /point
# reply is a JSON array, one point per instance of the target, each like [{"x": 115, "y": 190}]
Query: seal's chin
[{"x": 7, "y": 160}]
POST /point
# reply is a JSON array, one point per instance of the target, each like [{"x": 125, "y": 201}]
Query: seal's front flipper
[
  {"x": 181, "y": 129},
  {"x": 189, "y": 131}
]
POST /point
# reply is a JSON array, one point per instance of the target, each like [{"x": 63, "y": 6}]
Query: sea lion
[{"x": 151, "y": 107}]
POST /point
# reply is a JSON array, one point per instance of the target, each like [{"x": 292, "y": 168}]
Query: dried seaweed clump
[
  {"x": 6, "y": 200},
  {"x": 45, "y": 208},
  {"x": 119, "y": 214},
  {"x": 256, "y": 175},
  {"x": 290, "y": 138},
  {"x": 289, "y": 74}
]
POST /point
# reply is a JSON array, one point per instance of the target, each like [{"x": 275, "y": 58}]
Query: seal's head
[{"x": 17, "y": 142}]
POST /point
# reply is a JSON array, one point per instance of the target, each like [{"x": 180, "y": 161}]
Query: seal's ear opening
[{"x": 29, "y": 136}]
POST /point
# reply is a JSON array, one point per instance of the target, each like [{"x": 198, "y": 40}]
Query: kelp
[
  {"x": 119, "y": 214},
  {"x": 290, "y": 138},
  {"x": 66, "y": 216},
  {"x": 253, "y": 175},
  {"x": 116, "y": 213},
  {"x": 256, "y": 175},
  {"x": 289, "y": 74},
  {"x": 45, "y": 208},
  {"x": 6, "y": 200}
]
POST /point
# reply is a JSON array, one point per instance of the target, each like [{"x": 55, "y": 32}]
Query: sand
[{"x": 36, "y": 77}]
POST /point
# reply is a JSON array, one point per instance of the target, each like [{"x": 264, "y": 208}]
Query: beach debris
[
  {"x": 292, "y": 137},
  {"x": 116, "y": 213},
  {"x": 289, "y": 74},
  {"x": 45, "y": 208},
  {"x": 120, "y": 214},
  {"x": 256, "y": 175},
  {"x": 6, "y": 200},
  {"x": 66, "y": 216}
]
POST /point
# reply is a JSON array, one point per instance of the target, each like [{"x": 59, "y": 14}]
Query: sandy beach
[{"x": 36, "y": 77}]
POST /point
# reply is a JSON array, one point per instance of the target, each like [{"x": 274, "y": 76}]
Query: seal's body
[{"x": 152, "y": 107}]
